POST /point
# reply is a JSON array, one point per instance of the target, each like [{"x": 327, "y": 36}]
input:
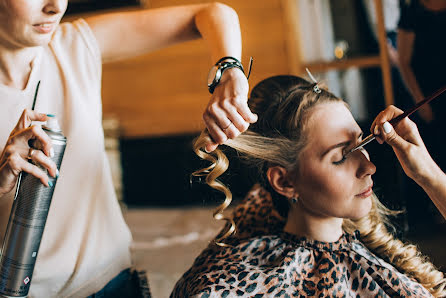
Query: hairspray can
[{"x": 26, "y": 223}]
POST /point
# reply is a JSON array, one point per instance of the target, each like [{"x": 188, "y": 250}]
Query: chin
[
  {"x": 40, "y": 41},
  {"x": 363, "y": 209},
  {"x": 32, "y": 41}
]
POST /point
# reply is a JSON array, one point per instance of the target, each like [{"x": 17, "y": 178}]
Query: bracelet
[
  {"x": 217, "y": 70},
  {"x": 232, "y": 58},
  {"x": 251, "y": 60}
]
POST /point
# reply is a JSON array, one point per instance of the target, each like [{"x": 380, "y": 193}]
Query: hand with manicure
[
  {"x": 18, "y": 156},
  {"x": 227, "y": 114},
  {"x": 406, "y": 143}
]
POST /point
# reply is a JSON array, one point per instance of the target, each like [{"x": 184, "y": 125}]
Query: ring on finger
[
  {"x": 31, "y": 153},
  {"x": 227, "y": 126}
]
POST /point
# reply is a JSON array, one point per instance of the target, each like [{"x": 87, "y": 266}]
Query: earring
[{"x": 293, "y": 200}]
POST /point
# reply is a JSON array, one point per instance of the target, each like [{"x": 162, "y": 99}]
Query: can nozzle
[{"x": 52, "y": 123}]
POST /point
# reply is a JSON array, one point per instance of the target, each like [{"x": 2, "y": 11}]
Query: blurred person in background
[{"x": 421, "y": 50}]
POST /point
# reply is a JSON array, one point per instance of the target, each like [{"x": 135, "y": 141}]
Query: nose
[
  {"x": 366, "y": 167},
  {"x": 55, "y": 6}
]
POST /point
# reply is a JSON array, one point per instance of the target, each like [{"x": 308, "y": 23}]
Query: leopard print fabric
[{"x": 264, "y": 261}]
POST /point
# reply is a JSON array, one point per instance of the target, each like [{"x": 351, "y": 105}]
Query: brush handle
[
  {"x": 397, "y": 119},
  {"x": 413, "y": 109},
  {"x": 35, "y": 96}
]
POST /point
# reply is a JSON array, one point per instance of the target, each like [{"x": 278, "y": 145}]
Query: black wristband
[
  {"x": 227, "y": 57},
  {"x": 237, "y": 62},
  {"x": 218, "y": 69}
]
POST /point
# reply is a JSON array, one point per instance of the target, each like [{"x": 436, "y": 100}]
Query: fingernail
[
  {"x": 51, "y": 152},
  {"x": 50, "y": 183},
  {"x": 57, "y": 173},
  {"x": 387, "y": 127},
  {"x": 376, "y": 130},
  {"x": 51, "y": 115}
]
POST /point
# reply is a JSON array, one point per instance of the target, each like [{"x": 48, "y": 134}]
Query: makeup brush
[
  {"x": 397, "y": 119},
  {"x": 35, "y": 96}
]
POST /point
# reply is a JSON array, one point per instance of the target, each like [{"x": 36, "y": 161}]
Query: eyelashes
[
  {"x": 345, "y": 156},
  {"x": 341, "y": 161},
  {"x": 345, "y": 152}
]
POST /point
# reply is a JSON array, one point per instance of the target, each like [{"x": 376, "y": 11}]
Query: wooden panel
[
  {"x": 384, "y": 54},
  {"x": 293, "y": 37},
  {"x": 165, "y": 93},
  {"x": 363, "y": 62}
]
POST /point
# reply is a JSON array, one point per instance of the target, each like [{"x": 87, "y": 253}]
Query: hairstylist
[{"x": 85, "y": 246}]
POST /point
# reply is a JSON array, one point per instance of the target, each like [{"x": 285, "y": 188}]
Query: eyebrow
[{"x": 341, "y": 145}]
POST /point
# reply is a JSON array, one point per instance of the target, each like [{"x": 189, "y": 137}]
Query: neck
[
  {"x": 301, "y": 222},
  {"x": 15, "y": 66}
]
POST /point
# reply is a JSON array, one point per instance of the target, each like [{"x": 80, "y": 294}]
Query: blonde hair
[{"x": 283, "y": 104}]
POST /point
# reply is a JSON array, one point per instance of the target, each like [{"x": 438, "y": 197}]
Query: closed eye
[
  {"x": 341, "y": 161},
  {"x": 345, "y": 153}
]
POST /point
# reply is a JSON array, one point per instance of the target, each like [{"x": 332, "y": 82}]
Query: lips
[
  {"x": 365, "y": 193},
  {"x": 44, "y": 27}
]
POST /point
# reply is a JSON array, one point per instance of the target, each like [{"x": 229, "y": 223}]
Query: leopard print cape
[{"x": 264, "y": 261}]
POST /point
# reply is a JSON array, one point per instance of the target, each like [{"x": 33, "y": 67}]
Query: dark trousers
[{"x": 121, "y": 286}]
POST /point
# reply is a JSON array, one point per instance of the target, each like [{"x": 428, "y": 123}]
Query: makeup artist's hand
[
  {"x": 227, "y": 114},
  {"x": 17, "y": 154},
  {"x": 412, "y": 154},
  {"x": 406, "y": 143}
]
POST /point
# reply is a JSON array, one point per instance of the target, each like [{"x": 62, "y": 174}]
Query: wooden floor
[{"x": 166, "y": 242}]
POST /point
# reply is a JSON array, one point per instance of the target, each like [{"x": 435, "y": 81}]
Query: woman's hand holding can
[{"x": 18, "y": 155}]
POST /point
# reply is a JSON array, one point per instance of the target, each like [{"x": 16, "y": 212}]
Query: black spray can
[{"x": 27, "y": 222}]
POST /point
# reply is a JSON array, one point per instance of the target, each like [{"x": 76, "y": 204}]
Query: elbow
[
  {"x": 218, "y": 6},
  {"x": 222, "y": 10},
  {"x": 214, "y": 15}
]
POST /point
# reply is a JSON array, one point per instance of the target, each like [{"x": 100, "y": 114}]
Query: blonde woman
[{"x": 312, "y": 226}]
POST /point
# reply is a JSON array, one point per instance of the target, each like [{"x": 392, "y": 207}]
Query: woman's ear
[{"x": 279, "y": 179}]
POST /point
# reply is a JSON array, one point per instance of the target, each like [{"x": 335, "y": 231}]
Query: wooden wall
[{"x": 165, "y": 93}]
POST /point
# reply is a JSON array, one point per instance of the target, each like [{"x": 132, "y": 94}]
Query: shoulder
[
  {"x": 219, "y": 269},
  {"x": 256, "y": 215},
  {"x": 368, "y": 268},
  {"x": 76, "y": 36},
  {"x": 74, "y": 45}
]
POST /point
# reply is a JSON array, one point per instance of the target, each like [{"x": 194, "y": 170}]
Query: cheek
[
  {"x": 25, "y": 11},
  {"x": 340, "y": 180},
  {"x": 16, "y": 9},
  {"x": 327, "y": 190},
  {"x": 330, "y": 181}
]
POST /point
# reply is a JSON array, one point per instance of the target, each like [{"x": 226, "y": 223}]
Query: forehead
[{"x": 330, "y": 124}]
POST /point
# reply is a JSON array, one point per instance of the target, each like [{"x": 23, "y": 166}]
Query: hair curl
[{"x": 283, "y": 104}]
